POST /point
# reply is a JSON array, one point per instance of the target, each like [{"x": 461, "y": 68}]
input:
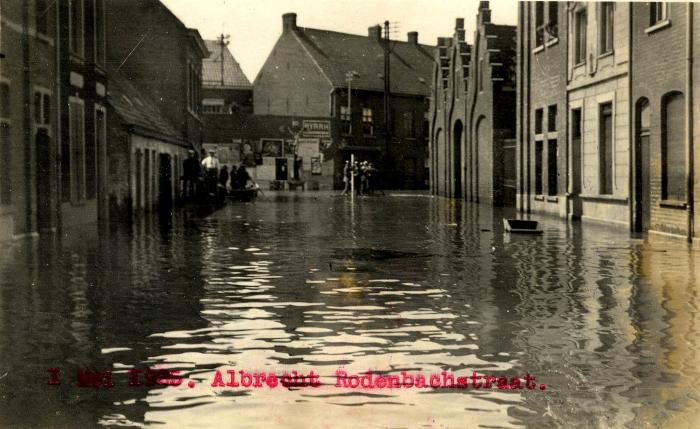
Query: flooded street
[{"x": 608, "y": 324}]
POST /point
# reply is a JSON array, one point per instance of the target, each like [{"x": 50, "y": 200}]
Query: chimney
[
  {"x": 459, "y": 23},
  {"x": 375, "y": 32},
  {"x": 484, "y": 12},
  {"x": 413, "y": 37},
  {"x": 289, "y": 22}
]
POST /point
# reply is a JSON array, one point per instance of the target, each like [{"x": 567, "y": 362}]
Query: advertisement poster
[{"x": 526, "y": 257}]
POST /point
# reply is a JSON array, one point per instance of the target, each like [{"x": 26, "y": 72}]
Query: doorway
[
  {"x": 165, "y": 177},
  {"x": 43, "y": 179},
  {"x": 281, "y": 169},
  {"x": 457, "y": 159},
  {"x": 642, "y": 206}
]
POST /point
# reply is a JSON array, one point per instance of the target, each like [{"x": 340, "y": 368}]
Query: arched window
[{"x": 673, "y": 173}]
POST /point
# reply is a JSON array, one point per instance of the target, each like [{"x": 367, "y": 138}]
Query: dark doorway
[
  {"x": 642, "y": 207},
  {"x": 281, "y": 169},
  {"x": 165, "y": 177},
  {"x": 457, "y": 160},
  {"x": 576, "y": 208},
  {"x": 43, "y": 179}
]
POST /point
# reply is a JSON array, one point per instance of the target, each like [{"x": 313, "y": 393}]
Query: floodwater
[{"x": 607, "y": 323}]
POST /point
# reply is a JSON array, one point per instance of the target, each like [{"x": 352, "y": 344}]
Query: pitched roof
[
  {"x": 340, "y": 53},
  {"x": 211, "y": 68},
  {"x": 136, "y": 110}
]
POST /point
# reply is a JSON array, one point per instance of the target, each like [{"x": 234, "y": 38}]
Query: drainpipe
[
  {"x": 689, "y": 121},
  {"x": 27, "y": 121},
  {"x": 631, "y": 116},
  {"x": 57, "y": 164}
]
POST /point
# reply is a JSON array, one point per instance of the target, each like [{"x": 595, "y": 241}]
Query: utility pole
[
  {"x": 223, "y": 42},
  {"x": 387, "y": 104}
]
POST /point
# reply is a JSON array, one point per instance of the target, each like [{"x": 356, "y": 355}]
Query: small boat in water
[
  {"x": 243, "y": 195},
  {"x": 522, "y": 226}
]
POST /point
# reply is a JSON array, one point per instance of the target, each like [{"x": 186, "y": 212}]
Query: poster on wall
[
  {"x": 308, "y": 148},
  {"x": 316, "y": 165},
  {"x": 271, "y": 147},
  {"x": 248, "y": 153}
]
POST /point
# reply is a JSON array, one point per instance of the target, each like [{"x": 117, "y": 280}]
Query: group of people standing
[
  {"x": 361, "y": 175},
  {"x": 209, "y": 178}
]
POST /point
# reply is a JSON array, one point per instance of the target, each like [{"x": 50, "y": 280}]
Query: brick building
[
  {"x": 542, "y": 165},
  {"x": 306, "y": 76},
  {"x": 157, "y": 120},
  {"x": 579, "y": 172},
  {"x": 473, "y": 113},
  {"x": 52, "y": 89},
  {"x": 225, "y": 88},
  {"x": 664, "y": 104}
]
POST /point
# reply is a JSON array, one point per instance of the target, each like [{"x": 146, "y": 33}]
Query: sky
[{"x": 255, "y": 25}]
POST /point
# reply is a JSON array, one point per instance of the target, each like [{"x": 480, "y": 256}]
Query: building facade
[
  {"x": 339, "y": 78},
  {"x": 52, "y": 88},
  {"x": 473, "y": 113},
  {"x": 605, "y": 113},
  {"x": 663, "y": 106},
  {"x": 157, "y": 120}
]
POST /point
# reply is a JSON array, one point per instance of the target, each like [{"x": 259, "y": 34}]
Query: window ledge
[
  {"x": 581, "y": 64},
  {"x": 673, "y": 204},
  {"x": 552, "y": 199},
  {"x": 604, "y": 197},
  {"x": 44, "y": 38},
  {"x": 539, "y": 136},
  {"x": 552, "y": 42},
  {"x": 539, "y": 197},
  {"x": 606, "y": 54},
  {"x": 538, "y": 49},
  {"x": 658, "y": 26}
]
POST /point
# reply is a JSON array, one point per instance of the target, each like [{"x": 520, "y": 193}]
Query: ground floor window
[
  {"x": 673, "y": 180},
  {"x": 539, "y": 147},
  {"x": 77, "y": 179},
  {"x": 606, "y": 149},
  {"x": 552, "y": 176}
]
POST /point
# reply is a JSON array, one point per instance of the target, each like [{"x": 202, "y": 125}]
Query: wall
[{"x": 290, "y": 83}]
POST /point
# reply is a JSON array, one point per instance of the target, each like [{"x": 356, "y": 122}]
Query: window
[
  {"x": 367, "y": 121},
  {"x": 673, "y": 174},
  {"x": 42, "y": 108},
  {"x": 539, "y": 23},
  {"x": 481, "y": 74},
  {"x": 580, "y": 24},
  {"x": 345, "y": 118},
  {"x": 607, "y": 11},
  {"x": 539, "y": 116},
  {"x": 408, "y": 127},
  {"x": 5, "y": 150},
  {"x": 218, "y": 109},
  {"x": 92, "y": 154},
  {"x": 194, "y": 84},
  {"x": 552, "y": 118},
  {"x": 553, "y": 25},
  {"x": 538, "y": 167},
  {"x": 605, "y": 153},
  {"x": 77, "y": 42},
  {"x": 77, "y": 149},
  {"x": 100, "y": 39},
  {"x": 658, "y": 12},
  {"x": 552, "y": 167},
  {"x": 426, "y": 126},
  {"x": 42, "y": 20}
]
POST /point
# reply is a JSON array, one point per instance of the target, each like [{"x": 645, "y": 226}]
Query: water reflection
[{"x": 310, "y": 282}]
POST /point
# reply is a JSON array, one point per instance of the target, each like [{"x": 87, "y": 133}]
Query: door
[
  {"x": 43, "y": 179},
  {"x": 165, "y": 177},
  {"x": 642, "y": 206},
  {"x": 281, "y": 169}
]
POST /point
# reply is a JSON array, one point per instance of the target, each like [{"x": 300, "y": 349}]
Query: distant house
[
  {"x": 472, "y": 148},
  {"x": 306, "y": 78},
  {"x": 225, "y": 88}
]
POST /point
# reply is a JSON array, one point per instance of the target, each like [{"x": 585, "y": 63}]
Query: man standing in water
[{"x": 211, "y": 171}]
